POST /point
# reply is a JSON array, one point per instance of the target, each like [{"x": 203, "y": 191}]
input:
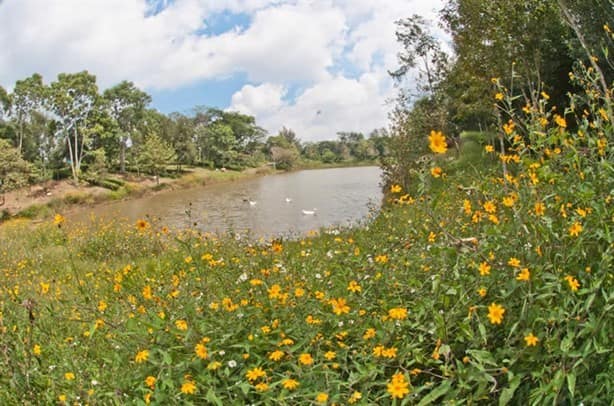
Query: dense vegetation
[
  {"x": 487, "y": 277},
  {"x": 68, "y": 128}
]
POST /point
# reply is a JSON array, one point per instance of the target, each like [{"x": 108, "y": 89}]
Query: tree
[
  {"x": 73, "y": 98},
  {"x": 155, "y": 154},
  {"x": 127, "y": 105},
  {"x": 420, "y": 50},
  {"x": 27, "y": 97},
  {"x": 14, "y": 171}
]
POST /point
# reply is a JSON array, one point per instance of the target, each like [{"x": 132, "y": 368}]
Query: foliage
[
  {"x": 154, "y": 155},
  {"x": 484, "y": 286},
  {"x": 14, "y": 171}
]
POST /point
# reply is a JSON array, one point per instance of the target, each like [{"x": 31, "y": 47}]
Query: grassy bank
[
  {"x": 131, "y": 187},
  {"x": 490, "y": 282}
]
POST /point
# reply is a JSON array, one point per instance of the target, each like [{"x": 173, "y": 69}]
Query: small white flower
[
  {"x": 232, "y": 363},
  {"x": 222, "y": 352},
  {"x": 95, "y": 382},
  {"x": 340, "y": 324},
  {"x": 318, "y": 276}
]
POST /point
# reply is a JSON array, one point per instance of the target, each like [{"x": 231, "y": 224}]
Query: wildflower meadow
[{"x": 479, "y": 284}]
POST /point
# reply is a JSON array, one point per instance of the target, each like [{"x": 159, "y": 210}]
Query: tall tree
[
  {"x": 27, "y": 97},
  {"x": 127, "y": 105},
  {"x": 73, "y": 98}
]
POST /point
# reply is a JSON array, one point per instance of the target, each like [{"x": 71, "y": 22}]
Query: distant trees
[{"x": 68, "y": 128}]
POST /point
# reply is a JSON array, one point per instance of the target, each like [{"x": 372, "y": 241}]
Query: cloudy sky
[{"x": 316, "y": 66}]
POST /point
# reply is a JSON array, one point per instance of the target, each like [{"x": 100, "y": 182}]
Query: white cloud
[{"x": 160, "y": 45}]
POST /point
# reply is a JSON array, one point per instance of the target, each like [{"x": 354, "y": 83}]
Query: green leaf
[
  {"x": 571, "y": 383},
  {"x": 435, "y": 393},
  {"x": 212, "y": 397},
  {"x": 508, "y": 393}
]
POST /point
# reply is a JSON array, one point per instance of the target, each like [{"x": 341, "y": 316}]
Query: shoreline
[{"x": 44, "y": 200}]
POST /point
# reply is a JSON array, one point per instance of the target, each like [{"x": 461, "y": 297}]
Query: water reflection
[{"x": 267, "y": 206}]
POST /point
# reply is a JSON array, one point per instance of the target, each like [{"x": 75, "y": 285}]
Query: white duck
[{"x": 309, "y": 212}]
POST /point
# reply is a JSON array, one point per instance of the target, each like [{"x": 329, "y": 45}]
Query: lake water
[{"x": 340, "y": 196}]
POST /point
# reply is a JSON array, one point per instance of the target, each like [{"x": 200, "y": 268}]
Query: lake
[{"x": 275, "y": 205}]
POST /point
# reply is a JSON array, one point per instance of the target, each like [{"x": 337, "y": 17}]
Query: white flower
[
  {"x": 318, "y": 276},
  {"x": 222, "y": 353},
  {"x": 232, "y": 363}
]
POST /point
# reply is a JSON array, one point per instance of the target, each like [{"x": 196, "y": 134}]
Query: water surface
[{"x": 340, "y": 196}]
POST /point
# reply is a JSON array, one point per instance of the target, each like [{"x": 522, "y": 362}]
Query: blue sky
[{"x": 278, "y": 60}]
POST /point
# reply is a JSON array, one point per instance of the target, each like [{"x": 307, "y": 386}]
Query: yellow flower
[
  {"x": 539, "y": 209},
  {"x": 188, "y": 387},
  {"x": 58, "y": 220},
  {"x": 545, "y": 96},
  {"x": 560, "y": 121},
  {"x": 330, "y": 355},
  {"x": 397, "y": 313},
  {"x": 339, "y": 306},
  {"x": 36, "y": 350},
  {"x": 369, "y": 333},
  {"x": 214, "y": 365},
  {"x": 437, "y": 142},
  {"x": 484, "y": 269},
  {"x": 290, "y": 384},
  {"x": 499, "y": 96},
  {"x": 354, "y": 287},
  {"x": 44, "y": 288},
  {"x": 515, "y": 262},
  {"x": 147, "y": 293},
  {"x": 482, "y": 292},
  {"x": 531, "y": 340},
  {"x": 181, "y": 325},
  {"x": 575, "y": 229},
  {"x": 276, "y": 355},
  {"x": 141, "y": 356},
  {"x": 262, "y": 387},
  {"x": 69, "y": 376},
  {"x": 489, "y": 148},
  {"x": 398, "y": 386},
  {"x": 495, "y": 313},
  {"x": 524, "y": 275},
  {"x": 356, "y": 396},
  {"x": 150, "y": 381},
  {"x": 490, "y": 206},
  {"x": 574, "y": 284},
  {"x": 322, "y": 397},
  {"x": 142, "y": 225},
  {"x": 436, "y": 172},
  {"x": 508, "y": 128},
  {"x": 254, "y": 374},
  {"x": 395, "y": 188},
  {"x": 305, "y": 359},
  {"x": 102, "y": 306},
  {"x": 201, "y": 351},
  {"x": 467, "y": 207}
]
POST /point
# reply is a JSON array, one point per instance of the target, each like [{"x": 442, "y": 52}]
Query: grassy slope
[{"x": 99, "y": 297}]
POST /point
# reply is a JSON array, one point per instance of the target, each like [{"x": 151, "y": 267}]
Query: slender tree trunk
[{"x": 122, "y": 155}]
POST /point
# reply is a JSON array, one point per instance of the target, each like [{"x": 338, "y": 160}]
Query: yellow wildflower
[
  {"x": 290, "y": 384},
  {"x": 253, "y": 374},
  {"x": 524, "y": 275},
  {"x": 531, "y": 340},
  {"x": 437, "y": 142},
  {"x": 495, "y": 313},
  {"x": 305, "y": 359},
  {"x": 141, "y": 356},
  {"x": 398, "y": 386}
]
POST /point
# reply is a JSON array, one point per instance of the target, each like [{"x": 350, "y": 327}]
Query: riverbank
[{"x": 44, "y": 200}]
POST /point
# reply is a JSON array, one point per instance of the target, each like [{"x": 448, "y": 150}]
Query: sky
[{"x": 315, "y": 66}]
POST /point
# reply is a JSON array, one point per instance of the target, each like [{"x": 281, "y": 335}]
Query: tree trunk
[{"x": 122, "y": 155}]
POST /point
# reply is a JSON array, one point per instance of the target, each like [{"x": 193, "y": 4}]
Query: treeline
[
  {"x": 528, "y": 46},
  {"x": 69, "y": 128}
]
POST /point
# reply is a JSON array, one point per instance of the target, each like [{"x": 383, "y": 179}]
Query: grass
[{"x": 490, "y": 284}]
